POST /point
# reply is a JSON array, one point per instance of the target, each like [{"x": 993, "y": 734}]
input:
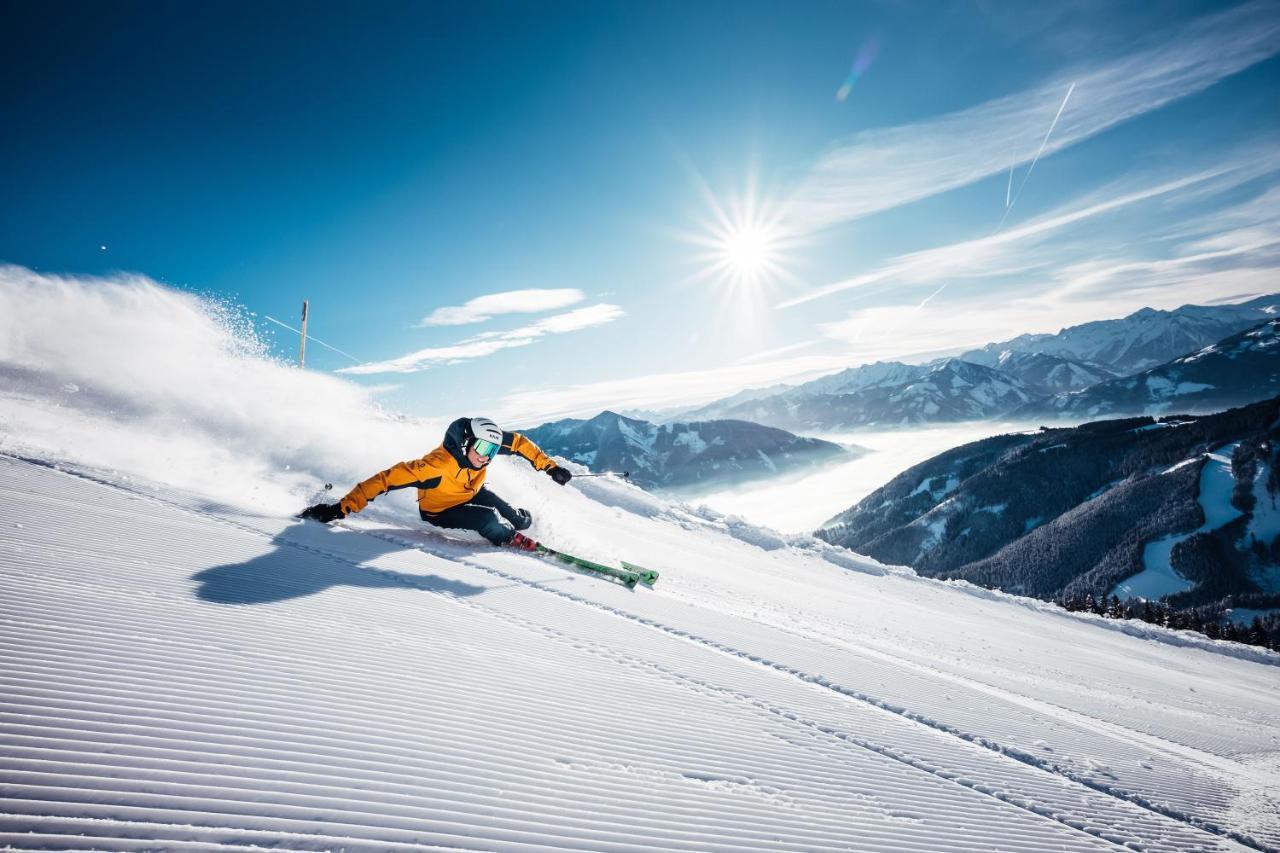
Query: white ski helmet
[{"x": 485, "y": 429}]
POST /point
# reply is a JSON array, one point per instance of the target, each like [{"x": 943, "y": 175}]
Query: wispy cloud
[
  {"x": 1032, "y": 246},
  {"x": 1230, "y": 250},
  {"x": 777, "y": 351},
  {"x": 1231, "y": 244},
  {"x": 1152, "y": 241},
  {"x": 487, "y": 343},
  {"x": 482, "y": 308},
  {"x": 988, "y": 256},
  {"x": 881, "y": 169},
  {"x": 920, "y": 333}
]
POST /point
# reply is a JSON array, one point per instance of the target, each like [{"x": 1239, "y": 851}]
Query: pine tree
[{"x": 1148, "y": 612}]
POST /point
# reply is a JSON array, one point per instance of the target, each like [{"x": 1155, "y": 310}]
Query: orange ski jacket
[{"x": 444, "y": 478}]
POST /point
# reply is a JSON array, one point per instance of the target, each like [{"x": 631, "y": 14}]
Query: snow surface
[
  {"x": 947, "y": 488},
  {"x": 1191, "y": 388},
  {"x": 1265, "y": 524},
  {"x": 1158, "y": 577},
  {"x": 178, "y": 670},
  {"x": 691, "y": 439},
  {"x": 186, "y": 665},
  {"x": 1216, "y": 484}
]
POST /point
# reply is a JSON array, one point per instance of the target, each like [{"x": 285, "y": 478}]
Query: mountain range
[
  {"x": 1146, "y": 363},
  {"x": 683, "y": 456},
  {"x": 1141, "y": 340},
  {"x": 888, "y": 393},
  {"x": 1215, "y": 377}
]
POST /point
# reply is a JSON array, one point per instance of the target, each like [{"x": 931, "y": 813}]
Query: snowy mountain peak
[
  {"x": 1021, "y": 370},
  {"x": 682, "y": 455},
  {"x": 1141, "y": 340},
  {"x": 1235, "y": 370}
]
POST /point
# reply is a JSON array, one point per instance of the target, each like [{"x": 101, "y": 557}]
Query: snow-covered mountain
[
  {"x": 683, "y": 455},
  {"x": 1240, "y": 368},
  {"x": 1143, "y": 339},
  {"x": 188, "y": 667},
  {"x": 716, "y": 410},
  {"x": 1184, "y": 507},
  {"x": 851, "y": 380},
  {"x": 1051, "y": 374},
  {"x": 1076, "y": 358},
  {"x": 887, "y": 393},
  {"x": 880, "y": 374}
]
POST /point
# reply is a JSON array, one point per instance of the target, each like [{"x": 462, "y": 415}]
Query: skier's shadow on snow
[{"x": 301, "y": 565}]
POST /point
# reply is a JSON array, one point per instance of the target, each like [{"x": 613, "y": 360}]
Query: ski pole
[{"x": 622, "y": 474}]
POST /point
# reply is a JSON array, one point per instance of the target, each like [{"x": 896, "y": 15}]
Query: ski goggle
[{"x": 487, "y": 449}]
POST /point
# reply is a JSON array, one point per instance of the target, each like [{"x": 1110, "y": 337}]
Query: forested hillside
[{"x": 1070, "y": 512}]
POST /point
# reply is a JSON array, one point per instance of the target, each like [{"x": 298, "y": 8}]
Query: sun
[
  {"x": 744, "y": 245},
  {"x": 749, "y": 251},
  {"x": 746, "y": 252}
]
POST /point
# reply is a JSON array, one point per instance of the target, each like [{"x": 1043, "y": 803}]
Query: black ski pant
[{"x": 483, "y": 514}]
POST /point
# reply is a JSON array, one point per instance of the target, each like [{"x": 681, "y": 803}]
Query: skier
[{"x": 450, "y": 483}]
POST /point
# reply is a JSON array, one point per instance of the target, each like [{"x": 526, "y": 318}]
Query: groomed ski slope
[
  {"x": 183, "y": 664},
  {"x": 180, "y": 672}
]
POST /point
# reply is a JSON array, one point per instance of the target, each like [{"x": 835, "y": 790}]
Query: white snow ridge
[{"x": 183, "y": 665}]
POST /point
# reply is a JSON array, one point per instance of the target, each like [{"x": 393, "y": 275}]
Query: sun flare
[
  {"x": 748, "y": 251},
  {"x": 744, "y": 244}
]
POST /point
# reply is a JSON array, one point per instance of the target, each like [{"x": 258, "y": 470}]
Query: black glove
[
  {"x": 323, "y": 512},
  {"x": 522, "y": 519},
  {"x": 560, "y": 475}
]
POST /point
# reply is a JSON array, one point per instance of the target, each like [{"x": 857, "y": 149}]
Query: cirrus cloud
[
  {"x": 884, "y": 168},
  {"x": 529, "y": 301},
  {"x": 487, "y": 343}
]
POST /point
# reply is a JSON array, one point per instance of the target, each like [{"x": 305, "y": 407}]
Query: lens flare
[{"x": 866, "y": 55}]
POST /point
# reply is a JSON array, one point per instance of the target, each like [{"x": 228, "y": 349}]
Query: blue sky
[{"x": 534, "y": 210}]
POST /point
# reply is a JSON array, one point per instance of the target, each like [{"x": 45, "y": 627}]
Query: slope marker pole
[{"x": 302, "y": 351}]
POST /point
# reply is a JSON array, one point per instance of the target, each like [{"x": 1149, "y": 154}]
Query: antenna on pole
[{"x": 302, "y": 352}]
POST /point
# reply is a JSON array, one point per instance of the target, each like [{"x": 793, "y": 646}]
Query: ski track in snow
[
  {"x": 1158, "y": 578},
  {"x": 519, "y": 706}
]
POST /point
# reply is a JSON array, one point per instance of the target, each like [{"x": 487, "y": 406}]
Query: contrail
[
  {"x": 923, "y": 303},
  {"x": 929, "y": 298},
  {"x": 1009, "y": 205},
  {"x": 1008, "y": 202},
  {"x": 320, "y": 342}
]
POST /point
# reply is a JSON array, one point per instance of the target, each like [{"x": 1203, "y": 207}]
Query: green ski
[
  {"x": 630, "y": 575},
  {"x": 647, "y": 576}
]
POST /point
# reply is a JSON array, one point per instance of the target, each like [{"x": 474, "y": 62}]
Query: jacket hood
[{"x": 454, "y": 436}]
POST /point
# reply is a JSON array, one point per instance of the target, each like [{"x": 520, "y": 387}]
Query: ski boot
[{"x": 524, "y": 543}]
